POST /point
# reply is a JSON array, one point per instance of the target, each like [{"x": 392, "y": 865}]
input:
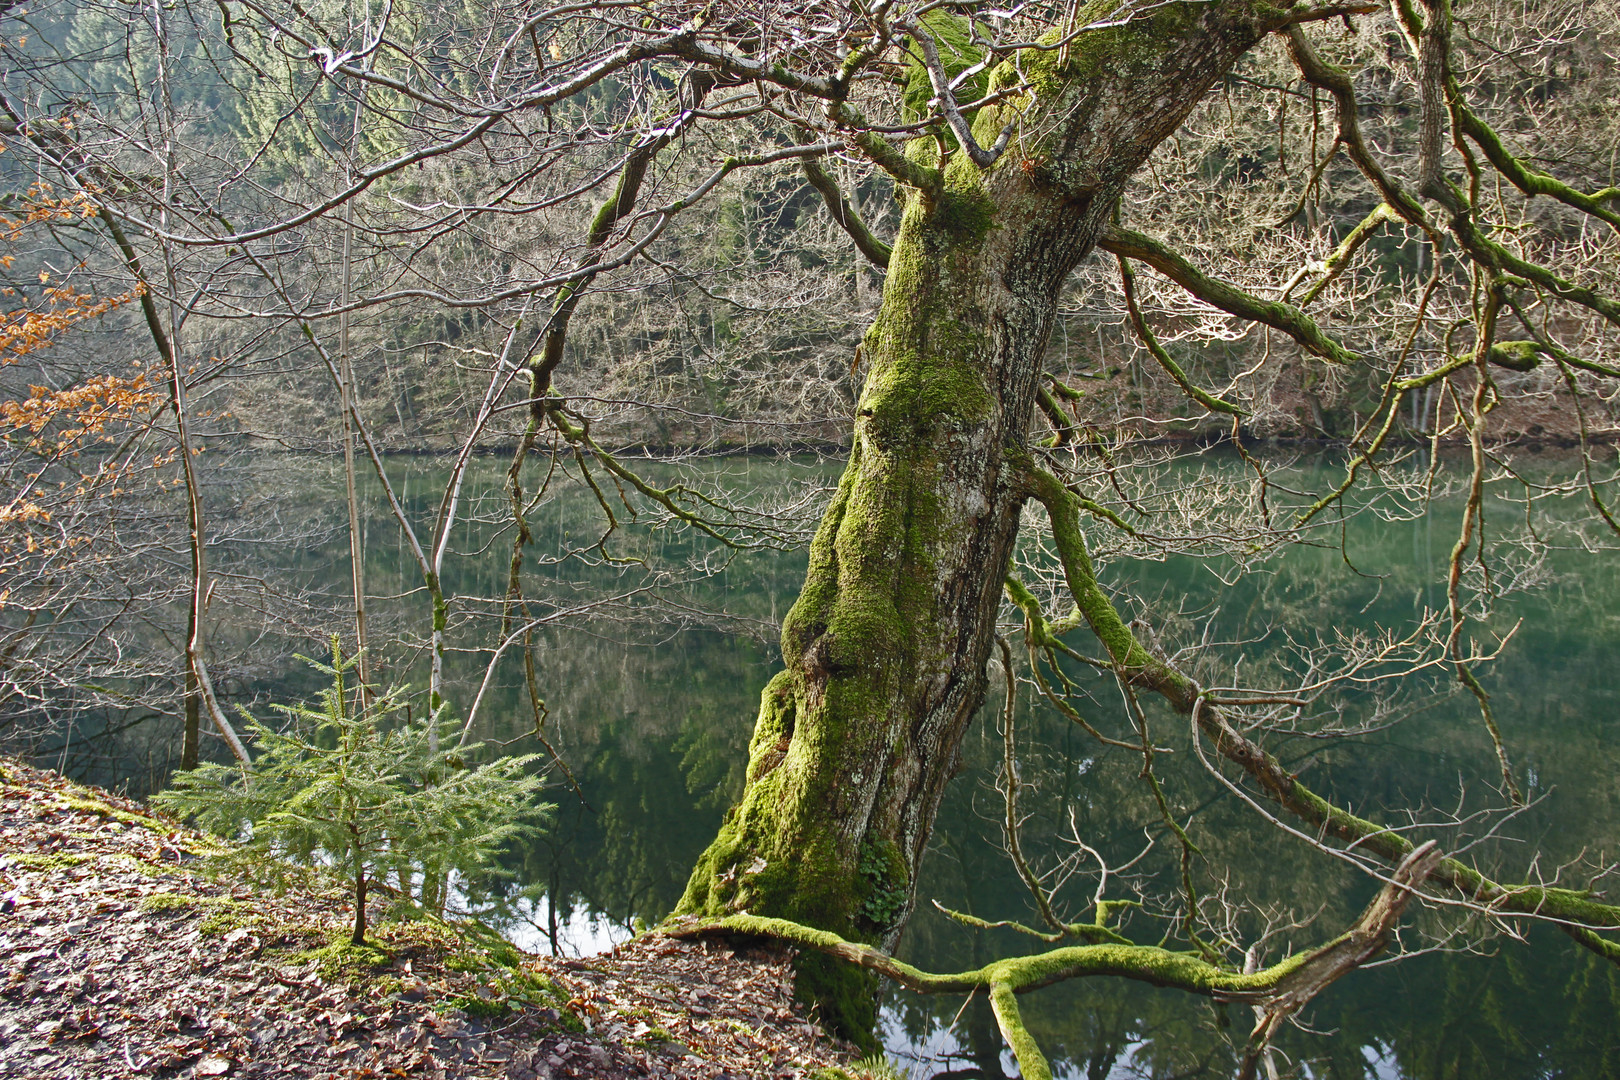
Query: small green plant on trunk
[{"x": 361, "y": 790}]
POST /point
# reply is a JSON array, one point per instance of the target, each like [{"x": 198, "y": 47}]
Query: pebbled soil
[{"x": 130, "y": 948}]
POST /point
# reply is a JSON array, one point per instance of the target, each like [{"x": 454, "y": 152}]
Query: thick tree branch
[
  {"x": 619, "y": 206},
  {"x": 943, "y": 93},
  {"x": 1281, "y": 989},
  {"x": 1494, "y": 256},
  {"x": 1520, "y": 174},
  {"x": 875, "y": 250},
  {"x": 1128, "y": 244},
  {"x": 1573, "y": 911},
  {"x": 1429, "y": 39},
  {"x": 884, "y": 154},
  {"x": 1336, "y": 81},
  {"x": 1335, "y": 263}
]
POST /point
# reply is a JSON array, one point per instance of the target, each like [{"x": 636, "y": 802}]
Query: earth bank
[{"x": 133, "y": 947}]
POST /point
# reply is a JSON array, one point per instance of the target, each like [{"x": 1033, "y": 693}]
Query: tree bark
[
  {"x": 191, "y": 737},
  {"x": 884, "y": 652},
  {"x": 358, "y": 937}
]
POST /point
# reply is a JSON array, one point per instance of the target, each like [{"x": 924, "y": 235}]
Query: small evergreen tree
[{"x": 362, "y": 791}]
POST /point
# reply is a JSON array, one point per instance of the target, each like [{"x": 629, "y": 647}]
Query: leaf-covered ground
[{"x": 129, "y": 948}]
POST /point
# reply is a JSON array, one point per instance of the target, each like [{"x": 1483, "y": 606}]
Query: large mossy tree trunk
[{"x": 885, "y": 650}]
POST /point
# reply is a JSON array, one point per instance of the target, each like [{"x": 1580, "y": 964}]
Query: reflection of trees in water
[
  {"x": 281, "y": 562},
  {"x": 125, "y": 620},
  {"x": 1444, "y": 1015},
  {"x": 656, "y": 739},
  {"x": 655, "y": 719},
  {"x": 659, "y": 762}
]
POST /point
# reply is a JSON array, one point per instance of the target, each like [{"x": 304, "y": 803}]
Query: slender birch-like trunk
[{"x": 199, "y": 686}]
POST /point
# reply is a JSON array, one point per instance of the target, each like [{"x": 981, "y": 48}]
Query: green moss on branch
[
  {"x": 1575, "y": 912},
  {"x": 1127, "y": 244},
  {"x": 1281, "y": 988}
]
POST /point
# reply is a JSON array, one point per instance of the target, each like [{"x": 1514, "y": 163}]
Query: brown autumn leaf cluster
[{"x": 126, "y": 951}]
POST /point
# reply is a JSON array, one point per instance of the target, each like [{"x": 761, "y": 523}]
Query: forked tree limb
[
  {"x": 196, "y": 635},
  {"x": 1336, "y": 81},
  {"x": 1574, "y": 911},
  {"x": 1432, "y": 49},
  {"x": 1528, "y": 180},
  {"x": 1335, "y": 263},
  {"x": 1128, "y": 244},
  {"x": 1281, "y": 989},
  {"x": 553, "y": 336}
]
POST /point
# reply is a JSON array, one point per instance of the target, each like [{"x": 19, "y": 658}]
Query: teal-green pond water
[{"x": 652, "y": 699}]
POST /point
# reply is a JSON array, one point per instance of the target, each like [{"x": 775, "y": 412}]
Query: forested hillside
[{"x": 748, "y": 305}]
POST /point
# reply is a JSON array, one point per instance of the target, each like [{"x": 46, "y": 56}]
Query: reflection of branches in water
[
  {"x": 1280, "y": 990},
  {"x": 1307, "y": 685}
]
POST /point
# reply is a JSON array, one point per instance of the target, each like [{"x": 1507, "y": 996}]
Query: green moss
[
  {"x": 475, "y": 946},
  {"x": 568, "y": 1020},
  {"x": 956, "y": 54},
  {"x": 871, "y": 1067},
  {"x": 511, "y": 990},
  {"x": 60, "y": 860},
  {"x": 509, "y": 994},
  {"x": 226, "y": 917},
  {"x": 165, "y": 903},
  {"x": 773, "y": 730},
  {"x": 1132, "y": 42},
  {"x": 516, "y": 990},
  {"x": 542, "y": 987},
  {"x": 340, "y": 958},
  {"x": 965, "y": 211},
  {"x": 807, "y": 618},
  {"x": 141, "y": 866},
  {"x": 923, "y": 152},
  {"x": 467, "y": 946},
  {"x": 1516, "y": 355},
  {"x": 483, "y": 1008},
  {"x": 96, "y": 806},
  {"x": 1063, "y": 510},
  {"x": 221, "y": 914},
  {"x": 927, "y": 363},
  {"x": 807, "y": 888}
]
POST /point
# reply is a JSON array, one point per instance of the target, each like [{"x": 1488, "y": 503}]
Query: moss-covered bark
[
  {"x": 884, "y": 651},
  {"x": 1277, "y": 991}
]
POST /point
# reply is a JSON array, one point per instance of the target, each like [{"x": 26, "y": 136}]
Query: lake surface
[{"x": 651, "y": 700}]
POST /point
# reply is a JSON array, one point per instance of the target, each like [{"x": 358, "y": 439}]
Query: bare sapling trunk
[{"x": 361, "y": 884}]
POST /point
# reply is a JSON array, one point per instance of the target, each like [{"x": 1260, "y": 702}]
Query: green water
[{"x": 651, "y": 701}]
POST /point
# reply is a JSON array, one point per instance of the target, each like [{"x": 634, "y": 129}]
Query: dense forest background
[{"x": 739, "y": 329}]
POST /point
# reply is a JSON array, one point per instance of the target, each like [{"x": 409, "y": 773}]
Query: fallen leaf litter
[{"x": 119, "y": 957}]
